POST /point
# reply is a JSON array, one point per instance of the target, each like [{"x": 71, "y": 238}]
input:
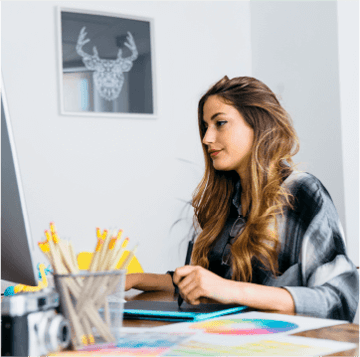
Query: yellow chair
[{"x": 84, "y": 260}]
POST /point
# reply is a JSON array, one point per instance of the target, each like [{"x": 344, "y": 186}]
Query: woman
[{"x": 270, "y": 237}]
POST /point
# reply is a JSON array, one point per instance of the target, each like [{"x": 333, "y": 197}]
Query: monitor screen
[{"x": 17, "y": 262}]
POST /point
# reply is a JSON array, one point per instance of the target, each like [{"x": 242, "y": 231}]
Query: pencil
[
  {"x": 93, "y": 267},
  {"x": 57, "y": 258},
  {"x": 100, "y": 325},
  {"x": 108, "y": 265},
  {"x": 59, "y": 268},
  {"x": 83, "y": 300},
  {"x": 90, "y": 312},
  {"x": 61, "y": 251},
  {"x": 98, "y": 285},
  {"x": 73, "y": 256},
  {"x": 87, "y": 327},
  {"x": 52, "y": 228},
  {"x": 114, "y": 248},
  {"x": 119, "y": 253},
  {"x": 81, "y": 305},
  {"x": 108, "y": 249},
  {"x": 68, "y": 261},
  {"x": 86, "y": 309},
  {"x": 128, "y": 259},
  {"x": 103, "y": 262},
  {"x": 44, "y": 247},
  {"x": 78, "y": 333},
  {"x": 95, "y": 257},
  {"x": 113, "y": 284},
  {"x": 62, "y": 257},
  {"x": 106, "y": 236}
]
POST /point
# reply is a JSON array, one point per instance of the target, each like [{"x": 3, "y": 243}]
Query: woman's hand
[{"x": 196, "y": 283}]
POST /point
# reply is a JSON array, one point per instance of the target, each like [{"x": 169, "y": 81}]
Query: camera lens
[
  {"x": 64, "y": 335},
  {"x": 59, "y": 333},
  {"x": 41, "y": 302}
]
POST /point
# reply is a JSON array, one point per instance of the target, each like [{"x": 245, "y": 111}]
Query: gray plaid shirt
[{"x": 313, "y": 263}]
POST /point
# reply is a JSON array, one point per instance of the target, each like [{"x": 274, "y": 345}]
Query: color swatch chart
[
  {"x": 137, "y": 344},
  {"x": 150, "y": 342},
  {"x": 244, "y": 326},
  {"x": 287, "y": 347}
]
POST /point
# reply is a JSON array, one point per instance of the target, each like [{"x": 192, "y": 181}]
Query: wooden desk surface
[{"x": 344, "y": 332}]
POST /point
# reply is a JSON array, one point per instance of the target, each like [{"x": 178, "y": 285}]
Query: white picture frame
[{"x": 106, "y": 64}]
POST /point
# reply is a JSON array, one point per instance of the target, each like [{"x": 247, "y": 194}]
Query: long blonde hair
[{"x": 275, "y": 142}]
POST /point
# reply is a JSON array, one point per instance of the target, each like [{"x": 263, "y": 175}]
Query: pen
[{"x": 187, "y": 262}]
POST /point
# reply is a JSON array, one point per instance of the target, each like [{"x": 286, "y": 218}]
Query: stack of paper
[{"x": 244, "y": 334}]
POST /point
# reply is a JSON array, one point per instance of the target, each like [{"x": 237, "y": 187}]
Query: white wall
[
  {"x": 296, "y": 52},
  {"x": 83, "y": 172},
  {"x": 348, "y": 32},
  {"x": 348, "y": 36}
]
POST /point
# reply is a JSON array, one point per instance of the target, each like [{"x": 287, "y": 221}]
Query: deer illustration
[{"x": 108, "y": 74}]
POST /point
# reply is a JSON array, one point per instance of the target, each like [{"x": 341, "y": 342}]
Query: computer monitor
[{"x": 17, "y": 262}]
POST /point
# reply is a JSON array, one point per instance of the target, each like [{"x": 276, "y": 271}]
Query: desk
[{"x": 345, "y": 332}]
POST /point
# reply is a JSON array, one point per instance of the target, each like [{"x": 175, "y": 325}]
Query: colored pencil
[
  {"x": 113, "y": 284},
  {"x": 83, "y": 296}
]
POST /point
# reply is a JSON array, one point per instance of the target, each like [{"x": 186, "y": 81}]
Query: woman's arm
[
  {"x": 195, "y": 282},
  {"x": 264, "y": 297},
  {"x": 149, "y": 282}
]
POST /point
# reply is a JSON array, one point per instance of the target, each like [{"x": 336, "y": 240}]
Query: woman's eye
[{"x": 221, "y": 123}]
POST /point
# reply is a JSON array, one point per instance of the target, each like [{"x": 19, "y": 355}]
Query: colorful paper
[
  {"x": 232, "y": 326},
  {"x": 287, "y": 324},
  {"x": 139, "y": 344},
  {"x": 203, "y": 345}
]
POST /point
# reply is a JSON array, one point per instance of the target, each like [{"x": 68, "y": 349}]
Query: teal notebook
[{"x": 170, "y": 311}]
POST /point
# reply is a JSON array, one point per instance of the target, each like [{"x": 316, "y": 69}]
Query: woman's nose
[{"x": 209, "y": 137}]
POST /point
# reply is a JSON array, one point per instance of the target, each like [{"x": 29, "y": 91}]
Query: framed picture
[{"x": 106, "y": 65}]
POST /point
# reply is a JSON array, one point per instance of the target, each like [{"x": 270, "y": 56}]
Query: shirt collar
[
  {"x": 237, "y": 197},
  {"x": 237, "y": 193}
]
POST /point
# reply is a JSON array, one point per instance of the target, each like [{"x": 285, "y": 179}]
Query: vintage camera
[{"x": 31, "y": 325}]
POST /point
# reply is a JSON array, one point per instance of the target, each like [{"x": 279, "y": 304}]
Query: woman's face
[{"x": 228, "y": 136}]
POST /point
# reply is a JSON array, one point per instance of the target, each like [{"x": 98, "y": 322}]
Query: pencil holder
[{"x": 93, "y": 302}]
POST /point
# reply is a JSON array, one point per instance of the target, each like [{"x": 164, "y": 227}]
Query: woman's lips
[{"x": 214, "y": 153}]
